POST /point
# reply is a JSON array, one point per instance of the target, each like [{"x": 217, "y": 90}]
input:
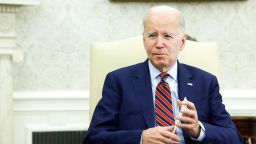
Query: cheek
[
  {"x": 148, "y": 48},
  {"x": 150, "y": 52},
  {"x": 175, "y": 53},
  {"x": 173, "y": 50}
]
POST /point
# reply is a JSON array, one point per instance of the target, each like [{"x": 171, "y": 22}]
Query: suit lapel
[
  {"x": 143, "y": 90},
  {"x": 186, "y": 87}
]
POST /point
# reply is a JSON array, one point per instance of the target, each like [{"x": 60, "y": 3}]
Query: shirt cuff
[
  {"x": 141, "y": 138},
  {"x": 202, "y": 133}
]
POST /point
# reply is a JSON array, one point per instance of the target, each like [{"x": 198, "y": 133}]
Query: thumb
[
  {"x": 169, "y": 128},
  {"x": 179, "y": 103}
]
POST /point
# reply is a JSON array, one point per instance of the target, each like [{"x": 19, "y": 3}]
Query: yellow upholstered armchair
[{"x": 106, "y": 57}]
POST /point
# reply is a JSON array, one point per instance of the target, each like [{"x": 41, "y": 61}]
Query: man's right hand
[{"x": 159, "y": 135}]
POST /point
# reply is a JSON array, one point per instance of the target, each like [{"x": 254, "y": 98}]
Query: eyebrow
[
  {"x": 151, "y": 32},
  {"x": 165, "y": 33}
]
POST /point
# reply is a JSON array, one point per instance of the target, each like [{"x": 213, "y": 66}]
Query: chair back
[{"x": 106, "y": 57}]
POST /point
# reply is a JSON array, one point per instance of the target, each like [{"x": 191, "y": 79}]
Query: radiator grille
[{"x": 58, "y": 137}]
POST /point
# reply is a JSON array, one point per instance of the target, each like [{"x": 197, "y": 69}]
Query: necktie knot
[{"x": 164, "y": 76}]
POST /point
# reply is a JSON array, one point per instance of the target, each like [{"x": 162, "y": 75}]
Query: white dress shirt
[{"x": 173, "y": 84}]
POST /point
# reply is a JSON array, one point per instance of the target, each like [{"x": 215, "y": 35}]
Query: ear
[
  {"x": 183, "y": 42},
  {"x": 143, "y": 37}
]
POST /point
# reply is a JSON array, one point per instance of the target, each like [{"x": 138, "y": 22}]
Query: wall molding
[
  {"x": 17, "y": 54},
  {"x": 36, "y": 111},
  {"x": 8, "y": 8},
  {"x": 50, "y": 95},
  {"x": 51, "y": 101},
  {"x": 240, "y": 102},
  {"x": 237, "y": 102},
  {"x": 19, "y": 2}
]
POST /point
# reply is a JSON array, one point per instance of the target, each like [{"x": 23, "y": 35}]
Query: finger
[
  {"x": 179, "y": 103},
  {"x": 185, "y": 126},
  {"x": 168, "y": 128},
  {"x": 189, "y": 104},
  {"x": 189, "y": 113},
  {"x": 162, "y": 139},
  {"x": 185, "y": 119},
  {"x": 174, "y": 142},
  {"x": 167, "y": 131},
  {"x": 170, "y": 137},
  {"x": 174, "y": 138},
  {"x": 154, "y": 135}
]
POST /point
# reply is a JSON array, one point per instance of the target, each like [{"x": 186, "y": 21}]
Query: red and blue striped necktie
[{"x": 163, "y": 103}]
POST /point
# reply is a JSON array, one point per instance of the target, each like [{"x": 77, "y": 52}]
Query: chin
[
  {"x": 160, "y": 63},
  {"x": 161, "y": 66}
]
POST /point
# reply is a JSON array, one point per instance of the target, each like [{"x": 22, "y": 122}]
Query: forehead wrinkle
[
  {"x": 156, "y": 15},
  {"x": 160, "y": 24}
]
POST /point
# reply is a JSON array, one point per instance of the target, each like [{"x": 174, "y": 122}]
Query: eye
[
  {"x": 168, "y": 36},
  {"x": 151, "y": 36}
]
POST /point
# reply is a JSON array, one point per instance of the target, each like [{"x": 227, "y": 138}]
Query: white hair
[{"x": 164, "y": 8}]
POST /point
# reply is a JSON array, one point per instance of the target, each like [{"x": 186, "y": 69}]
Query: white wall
[{"x": 56, "y": 36}]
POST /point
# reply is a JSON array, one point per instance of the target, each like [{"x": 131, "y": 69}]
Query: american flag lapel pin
[{"x": 190, "y": 84}]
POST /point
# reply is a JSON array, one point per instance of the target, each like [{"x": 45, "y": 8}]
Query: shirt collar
[{"x": 154, "y": 72}]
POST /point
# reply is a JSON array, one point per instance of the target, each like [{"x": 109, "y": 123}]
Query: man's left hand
[{"x": 189, "y": 119}]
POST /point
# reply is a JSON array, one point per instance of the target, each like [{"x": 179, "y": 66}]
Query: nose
[{"x": 159, "y": 42}]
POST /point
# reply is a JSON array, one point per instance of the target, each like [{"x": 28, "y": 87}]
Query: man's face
[{"x": 163, "y": 40}]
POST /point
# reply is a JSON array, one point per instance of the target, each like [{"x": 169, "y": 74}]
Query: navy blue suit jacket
[{"x": 127, "y": 108}]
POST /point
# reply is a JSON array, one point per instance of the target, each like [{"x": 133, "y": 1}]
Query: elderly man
[{"x": 142, "y": 103}]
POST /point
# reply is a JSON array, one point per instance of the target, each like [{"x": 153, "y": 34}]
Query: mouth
[{"x": 160, "y": 54}]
